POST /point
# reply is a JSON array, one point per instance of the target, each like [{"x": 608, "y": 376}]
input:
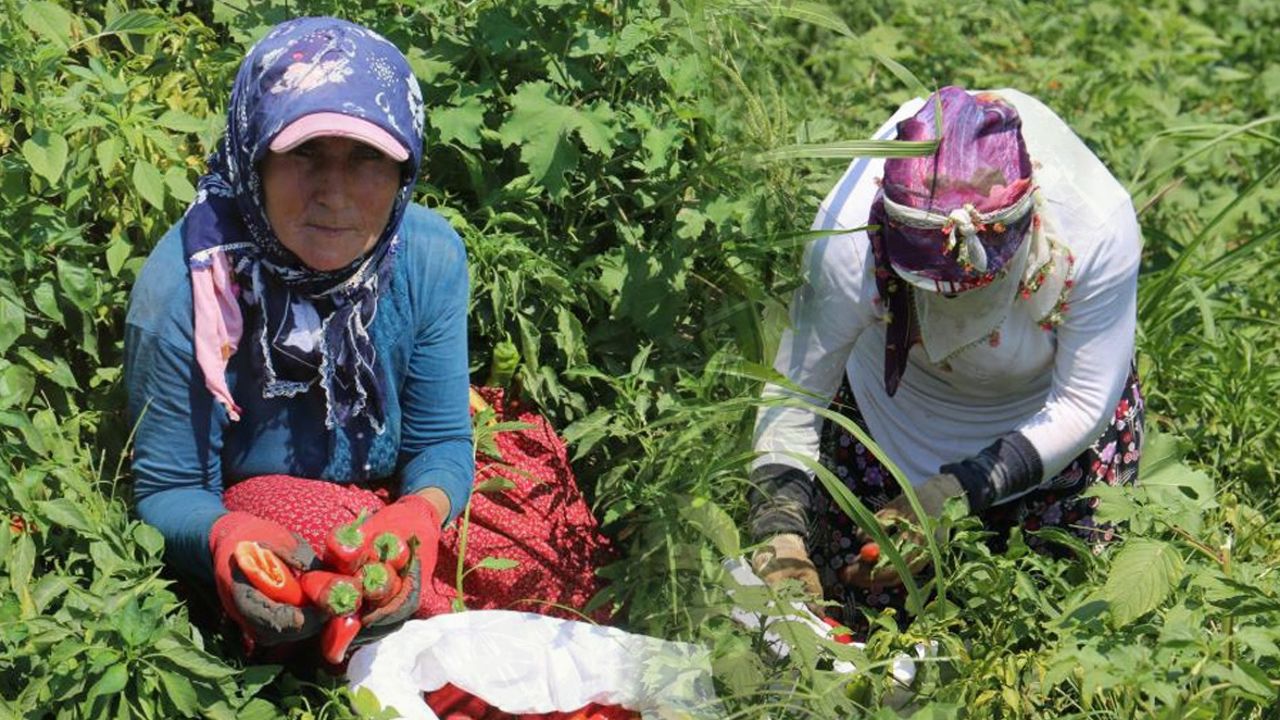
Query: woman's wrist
[
  {"x": 1006, "y": 467},
  {"x": 438, "y": 499},
  {"x": 780, "y": 500}
]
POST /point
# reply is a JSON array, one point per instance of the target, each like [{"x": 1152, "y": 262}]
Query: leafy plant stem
[
  {"x": 463, "y": 531},
  {"x": 1199, "y": 546}
]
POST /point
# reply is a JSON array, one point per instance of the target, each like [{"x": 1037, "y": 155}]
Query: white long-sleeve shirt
[{"x": 1057, "y": 387}]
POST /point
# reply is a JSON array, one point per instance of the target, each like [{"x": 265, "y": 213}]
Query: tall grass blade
[
  {"x": 850, "y": 505},
  {"x": 1247, "y": 128},
  {"x": 1173, "y": 274},
  {"x": 811, "y": 12},
  {"x": 907, "y": 78},
  {"x": 1206, "y": 312},
  {"x": 851, "y": 149}
]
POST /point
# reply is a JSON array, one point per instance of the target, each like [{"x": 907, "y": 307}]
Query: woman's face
[{"x": 329, "y": 199}]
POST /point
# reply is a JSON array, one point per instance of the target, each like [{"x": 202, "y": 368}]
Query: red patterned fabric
[
  {"x": 308, "y": 507},
  {"x": 543, "y": 524}
]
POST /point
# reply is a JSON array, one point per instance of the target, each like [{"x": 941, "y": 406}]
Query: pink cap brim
[{"x": 327, "y": 124}]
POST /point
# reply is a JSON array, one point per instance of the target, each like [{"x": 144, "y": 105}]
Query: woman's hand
[
  {"x": 898, "y": 519},
  {"x": 415, "y": 521},
  {"x": 262, "y": 621},
  {"x": 784, "y": 557}
]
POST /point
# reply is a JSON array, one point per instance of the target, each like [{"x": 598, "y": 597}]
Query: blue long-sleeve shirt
[{"x": 186, "y": 448}]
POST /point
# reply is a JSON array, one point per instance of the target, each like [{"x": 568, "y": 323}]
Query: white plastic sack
[
  {"x": 526, "y": 663},
  {"x": 903, "y": 667}
]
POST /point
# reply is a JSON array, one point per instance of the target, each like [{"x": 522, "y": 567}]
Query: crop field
[{"x": 634, "y": 180}]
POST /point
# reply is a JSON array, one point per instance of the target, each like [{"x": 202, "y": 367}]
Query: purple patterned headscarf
[
  {"x": 304, "y": 66},
  {"x": 948, "y": 222}
]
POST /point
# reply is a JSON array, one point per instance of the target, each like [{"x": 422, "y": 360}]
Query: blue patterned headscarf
[{"x": 303, "y": 66}]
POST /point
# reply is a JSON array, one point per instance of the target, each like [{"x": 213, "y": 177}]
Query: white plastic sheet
[
  {"x": 526, "y": 663},
  {"x": 903, "y": 667}
]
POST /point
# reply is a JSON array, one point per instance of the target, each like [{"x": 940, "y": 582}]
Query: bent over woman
[{"x": 981, "y": 330}]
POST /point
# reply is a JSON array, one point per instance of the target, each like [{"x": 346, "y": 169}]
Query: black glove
[{"x": 1006, "y": 467}]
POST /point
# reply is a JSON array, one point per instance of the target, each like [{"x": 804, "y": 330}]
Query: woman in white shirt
[{"x": 981, "y": 331}]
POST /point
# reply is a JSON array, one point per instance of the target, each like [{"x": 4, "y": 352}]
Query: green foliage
[{"x": 632, "y": 181}]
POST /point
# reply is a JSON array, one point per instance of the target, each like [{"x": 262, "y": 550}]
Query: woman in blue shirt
[{"x": 304, "y": 320}]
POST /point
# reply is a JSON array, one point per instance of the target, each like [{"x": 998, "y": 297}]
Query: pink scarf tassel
[{"x": 218, "y": 326}]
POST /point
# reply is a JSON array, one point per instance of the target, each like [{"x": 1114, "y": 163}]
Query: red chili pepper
[
  {"x": 337, "y": 636},
  {"x": 332, "y": 592},
  {"x": 378, "y": 582},
  {"x": 344, "y": 547},
  {"x": 869, "y": 553},
  {"x": 842, "y": 638},
  {"x": 391, "y": 549},
  {"x": 409, "y": 583},
  {"x": 267, "y": 573},
  {"x": 601, "y": 712},
  {"x": 450, "y": 702}
]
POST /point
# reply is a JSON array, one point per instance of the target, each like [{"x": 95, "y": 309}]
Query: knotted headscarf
[
  {"x": 953, "y": 227},
  {"x": 311, "y": 327}
]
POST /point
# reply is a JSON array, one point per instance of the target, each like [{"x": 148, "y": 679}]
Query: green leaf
[
  {"x": 220, "y": 711},
  {"x": 6, "y": 545},
  {"x": 17, "y": 383},
  {"x": 365, "y": 702},
  {"x": 149, "y": 183},
  {"x": 1141, "y": 577},
  {"x": 111, "y": 682},
  {"x": 56, "y": 369},
  {"x": 256, "y": 677},
  {"x": 496, "y": 563},
  {"x": 46, "y": 153},
  {"x": 460, "y": 124},
  {"x": 30, "y": 435},
  {"x": 1115, "y": 504},
  {"x": 13, "y": 323},
  {"x": 175, "y": 178},
  {"x": 78, "y": 284},
  {"x": 714, "y": 523},
  {"x": 494, "y": 484},
  {"x": 117, "y": 253},
  {"x": 585, "y": 434},
  {"x": 136, "y": 627},
  {"x": 22, "y": 561},
  {"x": 1262, "y": 641},
  {"x": 64, "y": 512},
  {"x": 135, "y": 22},
  {"x": 149, "y": 539},
  {"x": 181, "y": 122},
  {"x": 47, "y": 589},
  {"x": 47, "y": 302},
  {"x": 199, "y": 663},
  {"x": 108, "y": 153},
  {"x": 542, "y": 128},
  {"x": 258, "y": 709},
  {"x": 180, "y": 691},
  {"x": 1177, "y": 492},
  {"x": 49, "y": 21}
]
